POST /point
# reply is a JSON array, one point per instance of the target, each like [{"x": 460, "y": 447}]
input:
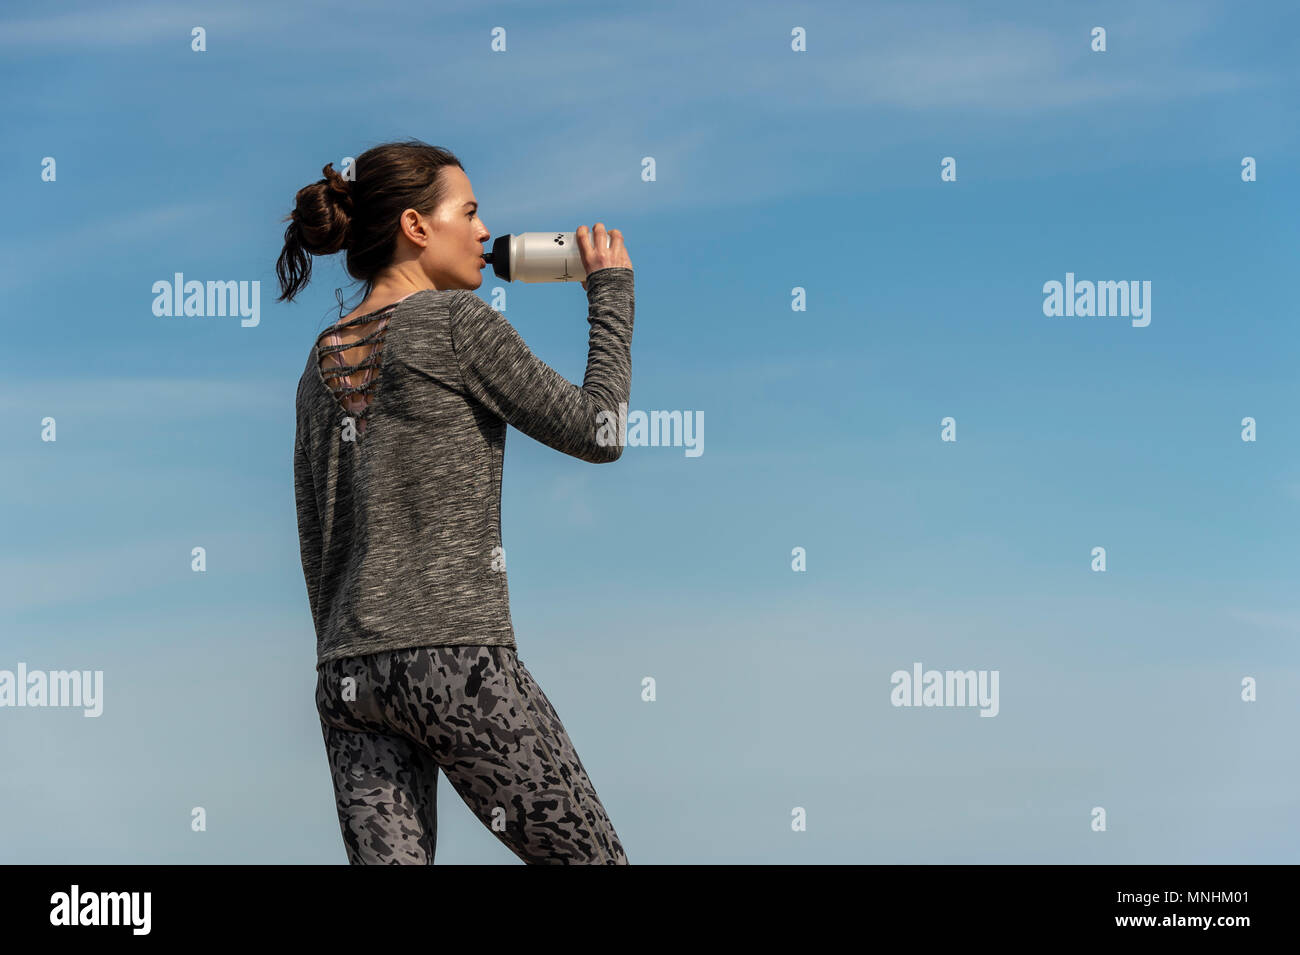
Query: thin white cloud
[
  {"x": 688, "y": 96},
  {"x": 89, "y": 573},
  {"x": 1000, "y": 68},
  {"x": 664, "y": 63},
  {"x": 44, "y": 253},
  {"x": 555, "y": 180},
  {"x": 167, "y": 399},
  {"x": 1286, "y": 621},
  {"x": 684, "y": 89},
  {"x": 100, "y": 26}
]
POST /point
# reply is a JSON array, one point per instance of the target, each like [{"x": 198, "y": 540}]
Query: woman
[{"x": 401, "y": 421}]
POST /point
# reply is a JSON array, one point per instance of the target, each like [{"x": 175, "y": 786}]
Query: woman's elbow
[
  {"x": 608, "y": 455},
  {"x": 601, "y": 453}
]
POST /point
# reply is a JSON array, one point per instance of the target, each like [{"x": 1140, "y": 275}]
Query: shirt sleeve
[
  {"x": 309, "y": 529},
  {"x": 501, "y": 372}
]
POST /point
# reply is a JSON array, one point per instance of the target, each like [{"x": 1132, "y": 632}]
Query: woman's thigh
[
  {"x": 496, "y": 737},
  {"x": 386, "y": 793},
  {"x": 478, "y": 715}
]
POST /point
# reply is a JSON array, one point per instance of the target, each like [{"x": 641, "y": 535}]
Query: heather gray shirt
[{"x": 400, "y": 527}]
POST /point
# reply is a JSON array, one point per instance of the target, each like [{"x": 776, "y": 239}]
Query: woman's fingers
[{"x": 601, "y": 248}]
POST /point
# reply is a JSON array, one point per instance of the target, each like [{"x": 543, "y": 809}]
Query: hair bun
[
  {"x": 322, "y": 214},
  {"x": 337, "y": 188}
]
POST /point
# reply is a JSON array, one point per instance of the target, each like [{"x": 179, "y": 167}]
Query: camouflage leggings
[{"x": 477, "y": 714}]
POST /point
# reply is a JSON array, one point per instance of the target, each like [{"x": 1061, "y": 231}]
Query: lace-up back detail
[{"x": 354, "y": 384}]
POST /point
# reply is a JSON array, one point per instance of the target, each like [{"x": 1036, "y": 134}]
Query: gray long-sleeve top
[{"x": 400, "y": 526}]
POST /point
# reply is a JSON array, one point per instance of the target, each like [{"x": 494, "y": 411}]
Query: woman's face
[{"x": 452, "y": 258}]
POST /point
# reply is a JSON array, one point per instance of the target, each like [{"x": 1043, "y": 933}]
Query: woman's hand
[{"x": 601, "y": 250}]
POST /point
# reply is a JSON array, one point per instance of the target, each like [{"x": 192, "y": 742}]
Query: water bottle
[{"x": 537, "y": 257}]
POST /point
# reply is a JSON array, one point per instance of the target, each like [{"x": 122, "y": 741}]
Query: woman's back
[
  {"x": 349, "y": 354},
  {"x": 398, "y": 456}
]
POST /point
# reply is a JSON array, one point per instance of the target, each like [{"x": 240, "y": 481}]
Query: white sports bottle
[{"x": 538, "y": 257}]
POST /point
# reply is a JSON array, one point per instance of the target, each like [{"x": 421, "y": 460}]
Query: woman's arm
[{"x": 503, "y": 374}]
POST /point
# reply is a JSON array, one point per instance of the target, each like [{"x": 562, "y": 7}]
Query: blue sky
[{"x": 775, "y": 169}]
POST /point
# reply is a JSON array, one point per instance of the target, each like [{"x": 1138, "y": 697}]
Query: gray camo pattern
[{"x": 476, "y": 714}]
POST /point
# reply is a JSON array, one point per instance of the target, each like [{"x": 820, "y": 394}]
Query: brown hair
[{"x": 360, "y": 215}]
